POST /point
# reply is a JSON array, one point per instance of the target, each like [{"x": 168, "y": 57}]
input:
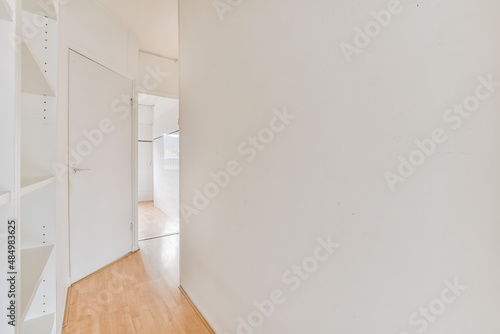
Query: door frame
[{"x": 134, "y": 161}]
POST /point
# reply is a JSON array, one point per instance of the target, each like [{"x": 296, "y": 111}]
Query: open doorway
[{"x": 158, "y": 171}]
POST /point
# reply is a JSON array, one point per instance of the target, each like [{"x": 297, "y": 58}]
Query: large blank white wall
[{"x": 324, "y": 173}]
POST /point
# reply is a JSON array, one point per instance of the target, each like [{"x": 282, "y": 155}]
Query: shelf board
[
  {"x": 5, "y": 11},
  {"x": 5, "y": 197},
  {"x": 30, "y": 184},
  {"x": 35, "y": 7},
  {"x": 41, "y": 325},
  {"x": 34, "y": 80},
  {"x": 33, "y": 263}
]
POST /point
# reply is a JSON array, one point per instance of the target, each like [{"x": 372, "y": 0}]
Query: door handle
[{"x": 76, "y": 170}]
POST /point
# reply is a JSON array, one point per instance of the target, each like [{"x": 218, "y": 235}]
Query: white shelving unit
[
  {"x": 30, "y": 184},
  {"x": 5, "y": 197},
  {"x": 9, "y": 146},
  {"x": 34, "y": 80},
  {"x": 43, "y": 324},
  {"x": 34, "y": 262},
  {"x": 5, "y": 11},
  {"x": 28, "y": 135},
  {"x": 37, "y": 7},
  {"x": 35, "y": 148}
]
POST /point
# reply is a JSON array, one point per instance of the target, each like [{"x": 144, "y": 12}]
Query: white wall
[
  {"x": 88, "y": 28},
  {"x": 155, "y": 23},
  {"x": 99, "y": 35},
  {"x": 166, "y": 166},
  {"x": 158, "y": 76},
  {"x": 146, "y": 118},
  {"x": 145, "y": 153},
  {"x": 166, "y": 116},
  {"x": 166, "y": 175},
  {"x": 324, "y": 173},
  {"x": 145, "y": 172}
]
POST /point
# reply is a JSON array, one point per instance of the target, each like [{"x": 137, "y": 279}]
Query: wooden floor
[
  {"x": 153, "y": 222},
  {"x": 138, "y": 294}
]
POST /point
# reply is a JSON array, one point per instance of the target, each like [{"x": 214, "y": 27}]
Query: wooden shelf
[
  {"x": 35, "y": 7},
  {"x": 5, "y": 197},
  {"x": 33, "y": 263},
  {"x": 30, "y": 184},
  {"x": 41, "y": 325},
  {"x": 5, "y": 11},
  {"x": 34, "y": 80}
]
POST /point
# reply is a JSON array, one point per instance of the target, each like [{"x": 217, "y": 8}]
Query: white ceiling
[{"x": 154, "y": 22}]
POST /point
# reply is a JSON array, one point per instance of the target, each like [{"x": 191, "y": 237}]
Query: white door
[{"x": 100, "y": 168}]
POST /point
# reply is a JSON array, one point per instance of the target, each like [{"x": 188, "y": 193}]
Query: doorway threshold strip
[{"x": 159, "y": 236}]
